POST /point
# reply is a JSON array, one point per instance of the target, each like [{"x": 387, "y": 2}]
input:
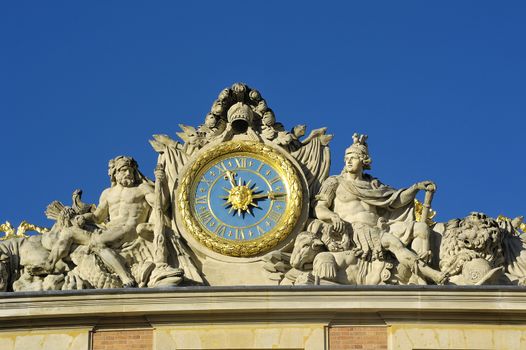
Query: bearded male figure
[
  {"x": 373, "y": 218},
  {"x": 122, "y": 208}
]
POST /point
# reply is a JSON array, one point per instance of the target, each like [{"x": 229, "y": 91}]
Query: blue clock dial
[{"x": 239, "y": 197}]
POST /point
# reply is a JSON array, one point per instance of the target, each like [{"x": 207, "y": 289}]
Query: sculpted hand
[
  {"x": 426, "y": 186},
  {"x": 337, "y": 223},
  {"x": 159, "y": 173}
]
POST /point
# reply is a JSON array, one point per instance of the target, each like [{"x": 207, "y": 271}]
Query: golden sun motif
[{"x": 240, "y": 196}]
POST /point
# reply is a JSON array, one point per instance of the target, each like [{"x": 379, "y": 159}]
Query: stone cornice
[{"x": 338, "y": 302}]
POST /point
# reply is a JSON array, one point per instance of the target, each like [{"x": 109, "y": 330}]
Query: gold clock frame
[{"x": 283, "y": 228}]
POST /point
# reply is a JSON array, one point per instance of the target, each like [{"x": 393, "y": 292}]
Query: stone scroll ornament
[{"x": 241, "y": 188}]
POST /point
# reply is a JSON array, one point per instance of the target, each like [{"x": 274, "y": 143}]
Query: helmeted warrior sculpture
[{"x": 371, "y": 220}]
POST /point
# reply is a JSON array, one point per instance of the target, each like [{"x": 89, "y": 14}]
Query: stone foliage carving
[{"x": 358, "y": 230}]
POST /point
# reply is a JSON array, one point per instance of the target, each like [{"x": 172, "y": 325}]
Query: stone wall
[
  {"x": 258, "y": 318},
  {"x": 63, "y": 338}
]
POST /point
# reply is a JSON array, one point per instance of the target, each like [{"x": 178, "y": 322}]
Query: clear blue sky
[{"x": 439, "y": 87}]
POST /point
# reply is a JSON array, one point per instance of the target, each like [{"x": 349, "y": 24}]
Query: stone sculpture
[
  {"x": 242, "y": 167},
  {"x": 364, "y": 232},
  {"x": 374, "y": 217},
  {"x": 481, "y": 250},
  {"x": 109, "y": 246}
]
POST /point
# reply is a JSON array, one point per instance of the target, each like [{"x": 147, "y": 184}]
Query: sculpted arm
[
  {"x": 323, "y": 204},
  {"x": 323, "y": 211},
  {"x": 160, "y": 176},
  {"x": 408, "y": 195},
  {"x": 101, "y": 213}
]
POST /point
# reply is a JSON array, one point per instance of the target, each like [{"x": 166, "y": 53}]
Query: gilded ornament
[
  {"x": 419, "y": 207},
  {"x": 241, "y": 198},
  {"x": 21, "y": 230}
]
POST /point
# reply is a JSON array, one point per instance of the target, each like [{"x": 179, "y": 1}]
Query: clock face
[
  {"x": 243, "y": 198},
  {"x": 239, "y": 197}
]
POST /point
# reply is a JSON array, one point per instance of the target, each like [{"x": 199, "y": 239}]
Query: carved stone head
[
  {"x": 306, "y": 247},
  {"x": 124, "y": 171},
  {"x": 360, "y": 150}
]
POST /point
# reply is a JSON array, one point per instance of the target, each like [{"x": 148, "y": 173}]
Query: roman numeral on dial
[
  {"x": 201, "y": 200},
  {"x": 205, "y": 216},
  {"x": 241, "y": 163},
  {"x": 220, "y": 230},
  {"x": 274, "y": 216},
  {"x": 221, "y": 167},
  {"x": 274, "y": 180}
]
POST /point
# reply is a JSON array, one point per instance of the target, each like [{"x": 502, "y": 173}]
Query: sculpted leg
[
  {"x": 100, "y": 242},
  {"x": 420, "y": 242},
  {"x": 114, "y": 262},
  {"x": 67, "y": 237},
  {"x": 417, "y": 235},
  {"x": 402, "y": 254},
  {"x": 408, "y": 258},
  {"x": 114, "y": 237}
]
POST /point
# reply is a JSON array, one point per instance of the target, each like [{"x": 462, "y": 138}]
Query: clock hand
[
  {"x": 231, "y": 177},
  {"x": 270, "y": 195}
]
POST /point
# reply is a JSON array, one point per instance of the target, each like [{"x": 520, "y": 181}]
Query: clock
[{"x": 240, "y": 198}]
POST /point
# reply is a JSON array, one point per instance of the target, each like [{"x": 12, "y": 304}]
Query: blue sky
[{"x": 439, "y": 87}]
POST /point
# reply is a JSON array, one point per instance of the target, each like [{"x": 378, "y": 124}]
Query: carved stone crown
[{"x": 359, "y": 145}]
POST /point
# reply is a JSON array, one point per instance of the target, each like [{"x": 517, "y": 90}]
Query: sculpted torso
[
  {"x": 126, "y": 206},
  {"x": 352, "y": 209}
]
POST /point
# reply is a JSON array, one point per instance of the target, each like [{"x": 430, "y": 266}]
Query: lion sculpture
[{"x": 479, "y": 250}]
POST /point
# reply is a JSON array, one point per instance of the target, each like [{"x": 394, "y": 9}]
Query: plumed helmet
[{"x": 240, "y": 115}]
